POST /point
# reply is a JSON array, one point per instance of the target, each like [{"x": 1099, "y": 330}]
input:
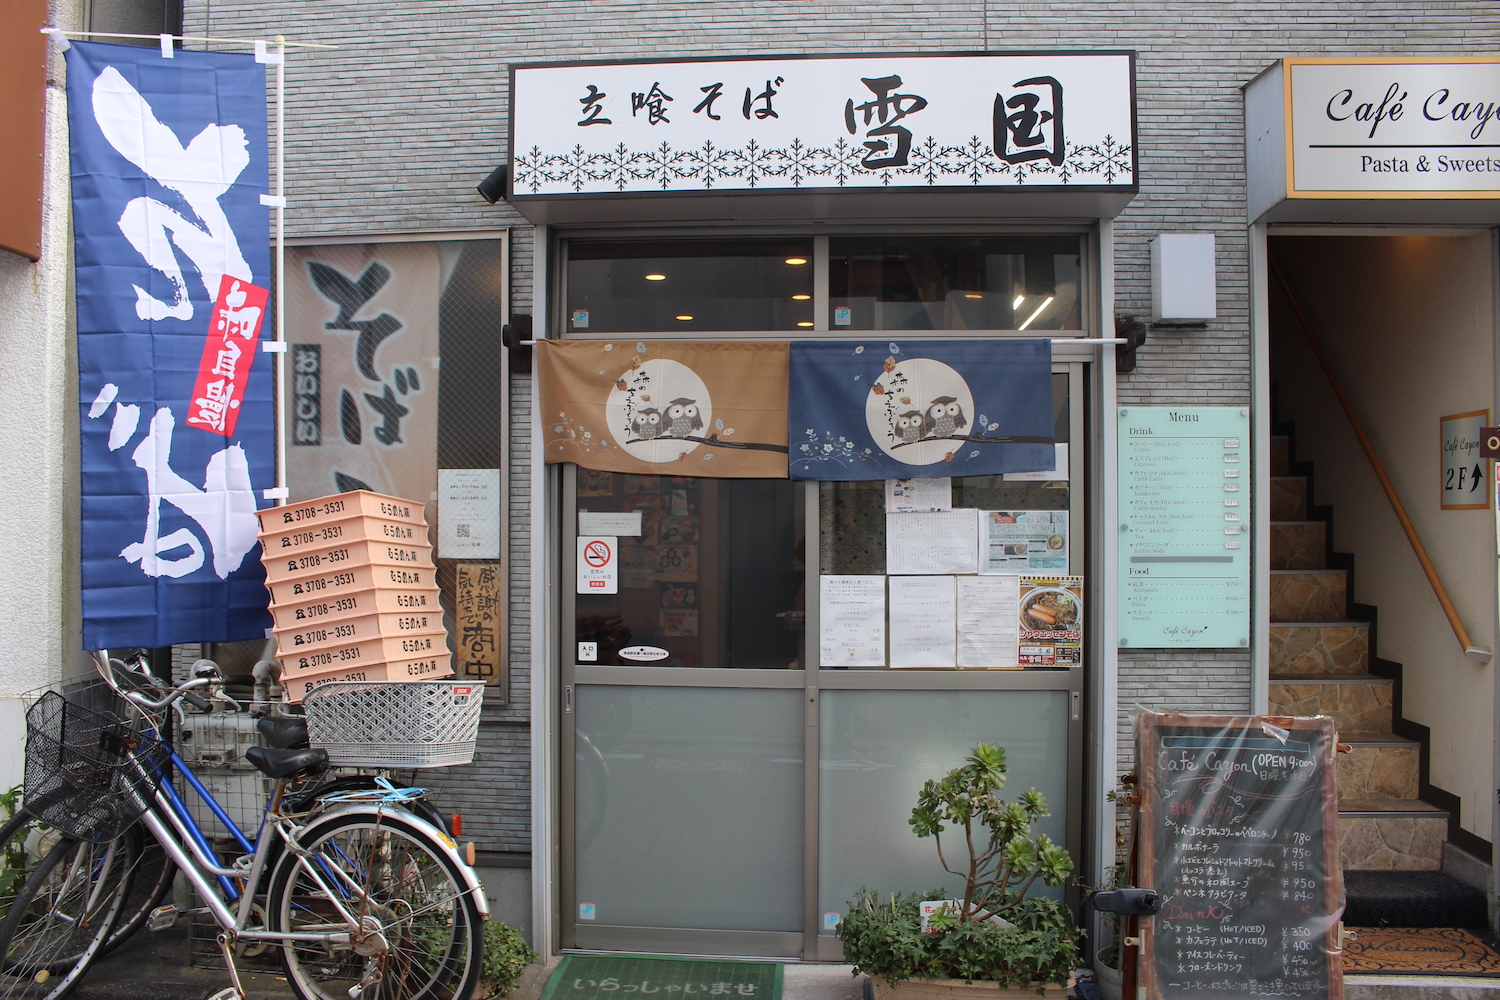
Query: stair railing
[{"x": 1474, "y": 652}]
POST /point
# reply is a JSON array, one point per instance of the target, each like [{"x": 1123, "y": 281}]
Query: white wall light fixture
[{"x": 1183, "y": 290}]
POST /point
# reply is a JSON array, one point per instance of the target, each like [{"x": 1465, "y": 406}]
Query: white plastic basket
[{"x": 395, "y": 724}]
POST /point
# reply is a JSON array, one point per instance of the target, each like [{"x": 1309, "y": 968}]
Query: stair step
[
  {"x": 1358, "y": 703},
  {"x": 1299, "y": 545},
  {"x": 1327, "y": 647},
  {"x": 1412, "y": 899},
  {"x": 1288, "y": 498},
  {"x": 1391, "y": 835},
  {"x": 1281, "y": 455},
  {"x": 1309, "y": 595},
  {"x": 1379, "y": 767}
]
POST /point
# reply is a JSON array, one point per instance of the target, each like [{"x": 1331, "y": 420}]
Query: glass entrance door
[{"x": 723, "y": 792}]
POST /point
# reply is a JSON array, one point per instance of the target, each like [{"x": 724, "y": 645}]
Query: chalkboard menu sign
[
  {"x": 1184, "y": 526},
  {"x": 1238, "y": 833}
]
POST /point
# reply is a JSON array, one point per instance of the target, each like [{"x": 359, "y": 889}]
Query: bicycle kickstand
[{"x": 237, "y": 991}]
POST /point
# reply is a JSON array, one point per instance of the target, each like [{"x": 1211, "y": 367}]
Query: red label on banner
[{"x": 228, "y": 353}]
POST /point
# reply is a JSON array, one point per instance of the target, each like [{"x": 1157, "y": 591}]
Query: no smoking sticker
[{"x": 598, "y": 565}]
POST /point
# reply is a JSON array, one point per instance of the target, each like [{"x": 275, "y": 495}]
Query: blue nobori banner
[
  {"x": 920, "y": 408},
  {"x": 176, "y": 410}
]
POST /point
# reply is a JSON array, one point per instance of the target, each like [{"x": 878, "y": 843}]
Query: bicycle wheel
[
  {"x": 150, "y": 882},
  {"x": 387, "y": 868},
  {"x": 61, "y": 916}
]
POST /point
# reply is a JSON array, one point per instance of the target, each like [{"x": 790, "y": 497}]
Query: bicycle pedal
[
  {"x": 227, "y": 993},
  {"x": 163, "y": 918}
]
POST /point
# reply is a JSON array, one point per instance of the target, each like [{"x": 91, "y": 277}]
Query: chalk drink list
[{"x": 1238, "y": 833}]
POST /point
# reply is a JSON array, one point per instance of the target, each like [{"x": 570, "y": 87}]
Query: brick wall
[{"x": 391, "y": 132}]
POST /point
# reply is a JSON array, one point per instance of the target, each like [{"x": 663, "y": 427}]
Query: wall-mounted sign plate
[
  {"x": 1184, "y": 526},
  {"x": 1059, "y": 120}
]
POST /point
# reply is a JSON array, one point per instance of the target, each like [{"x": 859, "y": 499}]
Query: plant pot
[
  {"x": 1111, "y": 983},
  {"x": 958, "y": 989}
]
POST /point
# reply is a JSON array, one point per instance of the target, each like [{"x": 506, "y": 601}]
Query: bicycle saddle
[
  {"x": 283, "y": 733},
  {"x": 283, "y": 763}
]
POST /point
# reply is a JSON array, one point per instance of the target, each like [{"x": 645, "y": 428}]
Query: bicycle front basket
[{"x": 88, "y": 775}]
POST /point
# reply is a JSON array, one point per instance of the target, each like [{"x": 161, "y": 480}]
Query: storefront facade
[{"x": 957, "y": 176}]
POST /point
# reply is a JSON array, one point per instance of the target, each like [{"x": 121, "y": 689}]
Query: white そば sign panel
[
  {"x": 786, "y": 122},
  {"x": 1360, "y": 128}
]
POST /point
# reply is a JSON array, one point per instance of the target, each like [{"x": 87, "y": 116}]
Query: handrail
[{"x": 1474, "y": 652}]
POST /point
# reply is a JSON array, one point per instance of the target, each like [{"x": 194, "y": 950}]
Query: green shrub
[
  {"x": 506, "y": 956},
  {"x": 883, "y": 937},
  {"x": 997, "y": 932}
]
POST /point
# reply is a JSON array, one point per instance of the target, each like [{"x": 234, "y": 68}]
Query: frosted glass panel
[
  {"x": 877, "y": 749},
  {"x": 689, "y": 807}
]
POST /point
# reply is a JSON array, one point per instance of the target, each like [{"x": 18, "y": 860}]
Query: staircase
[{"x": 1321, "y": 664}]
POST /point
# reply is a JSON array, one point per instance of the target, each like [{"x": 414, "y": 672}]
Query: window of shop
[
  {"x": 686, "y": 286},
  {"x": 953, "y": 283},
  {"x": 724, "y": 791}
]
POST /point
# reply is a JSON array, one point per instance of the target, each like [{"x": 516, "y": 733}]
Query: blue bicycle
[{"x": 357, "y": 881}]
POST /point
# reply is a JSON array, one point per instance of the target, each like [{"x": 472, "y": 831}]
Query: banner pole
[{"x": 280, "y": 358}]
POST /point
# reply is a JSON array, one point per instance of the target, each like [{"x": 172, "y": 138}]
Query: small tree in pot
[{"x": 996, "y": 933}]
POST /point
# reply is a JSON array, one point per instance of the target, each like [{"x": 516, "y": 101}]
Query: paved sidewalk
[{"x": 154, "y": 967}]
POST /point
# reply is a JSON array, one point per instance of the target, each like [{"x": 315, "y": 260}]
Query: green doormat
[{"x": 615, "y": 977}]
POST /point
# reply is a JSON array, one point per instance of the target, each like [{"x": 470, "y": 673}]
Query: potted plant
[
  {"x": 995, "y": 941},
  {"x": 1107, "y": 959}
]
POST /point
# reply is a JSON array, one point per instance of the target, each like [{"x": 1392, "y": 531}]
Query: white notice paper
[
  {"x": 598, "y": 565},
  {"x": 989, "y": 631},
  {"x": 468, "y": 514},
  {"x": 918, "y": 494},
  {"x": 922, "y": 621},
  {"x": 936, "y": 542},
  {"x": 608, "y": 522},
  {"x": 851, "y": 621}
]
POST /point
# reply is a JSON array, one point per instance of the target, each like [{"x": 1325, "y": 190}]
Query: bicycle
[{"x": 364, "y": 896}]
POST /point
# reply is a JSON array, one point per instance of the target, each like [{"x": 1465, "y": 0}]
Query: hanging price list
[{"x": 1184, "y": 526}]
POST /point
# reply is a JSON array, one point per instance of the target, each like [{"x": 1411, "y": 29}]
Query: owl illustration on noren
[
  {"x": 944, "y": 417},
  {"x": 909, "y": 426},
  {"x": 647, "y": 423},
  {"x": 683, "y": 417}
]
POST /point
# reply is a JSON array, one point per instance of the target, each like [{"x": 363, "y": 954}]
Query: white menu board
[{"x": 1184, "y": 526}]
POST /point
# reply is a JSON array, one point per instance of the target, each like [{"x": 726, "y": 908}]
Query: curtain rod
[{"x": 185, "y": 38}]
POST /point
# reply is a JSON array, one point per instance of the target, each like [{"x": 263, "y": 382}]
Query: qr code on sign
[{"x": 461, "y": 530}]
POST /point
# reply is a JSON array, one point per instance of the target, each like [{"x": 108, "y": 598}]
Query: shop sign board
[
  {"x": 1184, "y": 483},
  {"x": 1463, "y": 484},
  {"x": 1039, "y": 120},
  {"x": 1393, "y": 128}
]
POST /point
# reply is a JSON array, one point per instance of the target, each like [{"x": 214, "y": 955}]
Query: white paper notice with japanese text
[
  {"x": 918, "y": 495},
  {"x": 851, "y": 621},
  {"x": 468, "y": 514},
  {"x": 989, "y": 631},
  {"x": 922, "y": 621},
  {"x": 932, "y": 542},
  {"x": 1020, "y": 541}
]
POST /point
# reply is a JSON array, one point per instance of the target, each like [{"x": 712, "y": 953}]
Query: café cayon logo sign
[{"x": 1393, "y": 128}]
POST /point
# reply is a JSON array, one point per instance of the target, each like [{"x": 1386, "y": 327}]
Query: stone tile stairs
[{"x": 1321, "y": 665}]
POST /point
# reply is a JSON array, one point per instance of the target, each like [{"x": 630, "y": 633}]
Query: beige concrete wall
[{"x": 1408, "y": 324}]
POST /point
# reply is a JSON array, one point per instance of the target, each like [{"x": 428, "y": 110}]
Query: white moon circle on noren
[
  {"x": 909, "y": 393},
  {"x": 639, "y": 418}
]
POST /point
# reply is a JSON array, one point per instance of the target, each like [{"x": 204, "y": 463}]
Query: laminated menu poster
[
  {"x": 1238, "y": 833},
  {"x": 1051, "y": 620},
  {"x": 1015, "y": 541}
]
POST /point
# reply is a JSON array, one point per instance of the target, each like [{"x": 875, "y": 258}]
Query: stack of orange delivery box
[{"x": 354, "y": 593}]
